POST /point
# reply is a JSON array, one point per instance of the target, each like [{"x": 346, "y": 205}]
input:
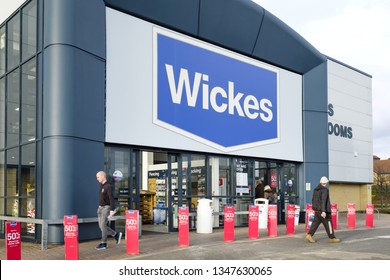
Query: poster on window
[
  {"x": 242, "y": 177},
  {"x": 274, "y": 180}
]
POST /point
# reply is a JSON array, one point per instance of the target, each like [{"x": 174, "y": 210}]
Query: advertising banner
[
  {"x": 132, "y": 232},
  {"x": 71, "y": 237},
  {"x": 272, "y": 220},
  {"x": 228, "y": 223},
  {"x": 184, "y": 226},
  {"x": 333, "y": 209},
  {"x": 253, "y": 221},
  {"x": 351, "y": 216},
  {"x": 309, "y": 216},
  {"x": 290, "y": 223},
  {"x": 274, "y": 180},
  {"x": 13, "y": 244},
  {"x": 369, "y": 215}
]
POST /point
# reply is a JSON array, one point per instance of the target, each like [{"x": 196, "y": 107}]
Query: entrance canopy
[{"x": 238, "y": 25}]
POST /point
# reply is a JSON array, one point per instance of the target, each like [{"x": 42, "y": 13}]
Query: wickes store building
[{"x": 177, "y": 101}]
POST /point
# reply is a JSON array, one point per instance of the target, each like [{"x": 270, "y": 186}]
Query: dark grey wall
[
  {"x": 73, "y": 110},
  {"x": 315, "y": 128}
]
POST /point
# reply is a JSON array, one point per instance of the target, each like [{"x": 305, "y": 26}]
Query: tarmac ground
[{"x": 359, "y": 243}]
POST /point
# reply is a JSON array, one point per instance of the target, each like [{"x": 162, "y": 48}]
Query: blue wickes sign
[{"x": 214, "y": 96}]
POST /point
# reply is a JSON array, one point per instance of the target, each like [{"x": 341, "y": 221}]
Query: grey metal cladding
[{"x": 238, "y": 25}]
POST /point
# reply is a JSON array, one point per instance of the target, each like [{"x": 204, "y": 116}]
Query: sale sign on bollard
[
  {"x": 351, "y": 216},
  {"x": 13, "y": 244},
  {"x": 71, "y": 237},
  {"x": 132, "y": 232},
  {"x": 184, "y": 226},
  {"x": 309, "y": 216},
  {"x": 333, "y": 209},
  {"x": 228, "y": 222},
  {"x": 369, "y": 215},
  {"x": 272, "y": 220},
  {"x": 290, "y": 226},
  {"x": 253, "y": 222}
]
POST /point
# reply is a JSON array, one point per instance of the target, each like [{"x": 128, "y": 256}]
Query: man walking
[
  {"x": 105, "y": 209},
  {"x": 322, "y": 212}
]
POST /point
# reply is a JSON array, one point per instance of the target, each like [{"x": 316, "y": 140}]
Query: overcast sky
[{"x": 355, "y": 32}]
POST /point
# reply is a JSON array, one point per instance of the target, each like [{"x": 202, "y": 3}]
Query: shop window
[
  {"x": 117, "y": 169},
  {"x": 2, "y": 50},
  {"x": 2, "y": 187},
  {"x": 28, "y": 112},
  {"x": 290, "y": 183},
  {"x": 29, "y": 30},
  {"x": 13, "y": 42},
  {"x": 2, "y": 113},
  {"x": 13, "y": 108},
  {"x": 27, "y": 187},
  {"x": 12, "y": 189}
]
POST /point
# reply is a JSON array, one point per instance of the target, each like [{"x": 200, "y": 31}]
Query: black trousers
[{"x": 327, "y": 222}]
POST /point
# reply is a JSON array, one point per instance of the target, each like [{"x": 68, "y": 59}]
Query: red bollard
[
  {"x": 351, "y": 216},
  {"x": 184, "y": 226},
  {"x": 369, "y": 215},
  {"x": 272, "y": 220},
  {"x": 13, "y": 244},
  {"x": 309, "y": 216},
  {"x": 228, "y": 223},
  {"x": 253, "y": 222},
  {"x": 290, "y": 226},
  {"x": 333, "y": 209},
  {"x": 132, "y": 232},
  {"x": 71, "y": 237}
]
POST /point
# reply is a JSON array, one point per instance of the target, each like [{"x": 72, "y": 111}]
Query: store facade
[{"x": 176, "y": 102}]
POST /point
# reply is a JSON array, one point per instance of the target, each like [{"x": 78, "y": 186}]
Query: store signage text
[
  {"x": 338, "y": 129},
  {"x": 218, "y": 98},
  {"x": 213, "y": 96}
]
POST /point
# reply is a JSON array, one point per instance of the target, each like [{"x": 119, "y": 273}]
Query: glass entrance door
[{"x": 121, "y": 166}]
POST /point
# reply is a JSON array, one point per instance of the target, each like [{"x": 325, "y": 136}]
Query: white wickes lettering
[
  {"x": 217, "y": 98},
  {"x": 176, "y": 93}
]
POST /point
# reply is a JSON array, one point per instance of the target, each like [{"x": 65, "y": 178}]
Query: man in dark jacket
[
  {"x": 105, "y": 210},
  {"x": 322, "y": 212}
]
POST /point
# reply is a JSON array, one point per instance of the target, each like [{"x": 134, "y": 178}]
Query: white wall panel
[{"x": 349, "y": 93}]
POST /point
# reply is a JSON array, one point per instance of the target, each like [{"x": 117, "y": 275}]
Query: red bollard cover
[
  {"x": 71, "y": 237},
  {"x": 272, "y": 220},
  {"x": 290, "y": 227},
  {"x": 228, "y": 222},
  {"x": 309, "y": 216},
  {"x": 369, "y": 215},
  {"x": 333, "y": 209},
  {"x": 184, "y": 226},
  {"x": 253, "y": 222},
  {"x": 351, "y": 216},
  {"x": 132, "y": 232},
  {"x": 13, "y": 244}
]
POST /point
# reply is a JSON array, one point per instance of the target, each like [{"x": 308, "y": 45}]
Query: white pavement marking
[{"x": 366, "y": 239}]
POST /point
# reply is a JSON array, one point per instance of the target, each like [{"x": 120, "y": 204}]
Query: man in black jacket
[
  {"x": 105, "y": 210},
  {"x": 322, "y": 212}
]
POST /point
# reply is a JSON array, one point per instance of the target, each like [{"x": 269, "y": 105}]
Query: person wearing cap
[
  {"x": 268, "y": 194},
  {"x": 322, "y": 212}
]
